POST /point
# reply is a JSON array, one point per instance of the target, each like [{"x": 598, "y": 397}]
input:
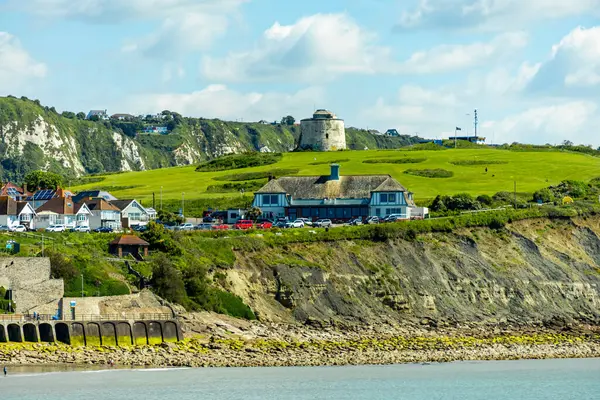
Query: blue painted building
[{"x": 335, "y": 196}]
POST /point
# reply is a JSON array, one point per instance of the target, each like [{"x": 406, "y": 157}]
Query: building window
[
  {"x": 25, "y": 217},
  {"x": 81, "y": 217},
  {"x": 392, "y": 198},
  {"x": 383, "y": 197},
  {"x": 270, "y": 199},
  {"x": 378, "y": 211}
]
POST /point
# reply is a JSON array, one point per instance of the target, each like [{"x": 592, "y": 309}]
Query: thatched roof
[{"x": 322, "y": 187}]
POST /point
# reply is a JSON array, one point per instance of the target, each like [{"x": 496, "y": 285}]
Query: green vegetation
[
  {"x": 236, "y": 187},
  {"x": 534, "y": 172},
  {"x": 239, "y": 161},
  {"x": 341, "y": 160},
  {"x": 42, "y": 180},
  {"x": 249, "y": 176},
  {"x": 430, "y": 173},
  {"x": 395, "y": 161},
  {"x": 478, "y": 162}
]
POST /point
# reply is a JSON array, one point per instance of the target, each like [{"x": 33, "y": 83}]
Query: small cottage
[{"x": 129, "y": 244}]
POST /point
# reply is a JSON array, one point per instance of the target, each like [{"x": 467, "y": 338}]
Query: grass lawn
[{"x": 531, "y": 170}]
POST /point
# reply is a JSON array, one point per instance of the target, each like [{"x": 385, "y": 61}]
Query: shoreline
[{"x": 236, "y": 352}]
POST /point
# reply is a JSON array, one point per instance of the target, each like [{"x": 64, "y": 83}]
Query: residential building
[
  {"x": 152, "y": 214},
  {"x": 13, "y": 213},
  {"x": 93, "y": 194},
  {"x": 14, "y": 191},
  {"x": 102, "y": 114},
  {"x": 122, "y": 117},
  {"x": 129, "y": 245},
  {"x": 63, "y": 211},
  {"x": 132, "y": 213},
  {"x": 103, "y": 214},
  {"x": 472, "y": 139},
  {"x": 392, "y": 132},
  {"x": 161, "y": 130},
  {"x": 335, "y": 196},
  {"x": 40, "y": 197}
]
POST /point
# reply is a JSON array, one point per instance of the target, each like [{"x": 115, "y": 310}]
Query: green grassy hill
[{"x": 531, "y": 171}]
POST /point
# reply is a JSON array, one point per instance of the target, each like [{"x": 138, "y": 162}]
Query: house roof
[
  {"x": 122, "y": 115},
  {"x": 4, "y": 190},
  {"x": 322, "y": 187},
  {"x": 100, "y": 204},
  {"x": 123, "y": 204},
  {"x": 130, "y": 240},
  {"x": 93, "y": 194},
  {"x": 60, "y": 205},
  {"x": 21, "y": 205},
  {"x": 8, "y": 206}
]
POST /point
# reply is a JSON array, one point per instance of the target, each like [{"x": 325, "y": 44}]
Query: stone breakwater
[{"x": 219, "y": 352}]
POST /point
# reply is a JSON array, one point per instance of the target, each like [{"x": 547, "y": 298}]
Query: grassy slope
[{"x": 531, "y": 170}]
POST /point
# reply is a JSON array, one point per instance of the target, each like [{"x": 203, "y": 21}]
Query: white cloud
[
  {"x": 549, "y": 124},
  {"x": 491, "y": 14},
  {"x": 219, "y": 101},
  {"x": 573, "y": 68},
  {"x": 17, "y": 67},
  {"x": 454, "y": 57},
  {"x": 184, "y": 25},
  {"x": 324, "y": 46},
  {"x": 318, "y": 47}
]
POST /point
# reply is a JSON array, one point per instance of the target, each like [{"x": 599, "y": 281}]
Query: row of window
[
  {"x": 388, "y": 211},
  {"x": 329, "y": 212},
  {"x": 270, "y": 199}
]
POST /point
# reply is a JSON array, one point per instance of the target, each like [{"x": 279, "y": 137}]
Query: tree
[
  {"x": 167, "y": 217},
  {"x": 68, "y": 114},
  {"x": 254, "y": 213},
  {"x": 94, "y": 118},
  {"x": 289, "y": 120},
  {"x": 42, "y": 180},
  {"x": 543, "y": 196},
  {"x": 567, "y": 143},
  {"x": 167, "y": 281},
  {"x": 80, "y": 115}
]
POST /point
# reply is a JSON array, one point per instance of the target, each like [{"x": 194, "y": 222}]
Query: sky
[{"x": 531, "y": 68}]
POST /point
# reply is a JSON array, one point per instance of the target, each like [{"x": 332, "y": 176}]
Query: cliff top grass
[{"x": 531, "y": 170}]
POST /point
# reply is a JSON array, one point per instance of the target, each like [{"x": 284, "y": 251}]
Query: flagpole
[{"x": 455, "y": 129}]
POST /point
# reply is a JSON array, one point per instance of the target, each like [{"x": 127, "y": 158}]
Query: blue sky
[{"x": 531, "y": 68}]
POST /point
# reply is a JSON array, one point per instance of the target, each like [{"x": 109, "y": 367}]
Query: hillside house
[
  {"x": 13, "y": 213},
  {"x": 40, "y": 197},
  {"x": 62, "y": 211},
  {"x": 392, "y": 133},
  {"x": 102, "y": 114},
  {"x": 14, "y": 191},
  {"x": 93, "y": 194},
  {"x": 122, "y": 117},
  {"x": 103, "y": 213},
  {"x": 132, "y": 213},
  {"x": 335, "y": 196},
  {"x": 129, "y": 245}
]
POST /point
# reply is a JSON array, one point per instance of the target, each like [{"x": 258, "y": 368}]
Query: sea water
[{"x": 522, "y": 380}]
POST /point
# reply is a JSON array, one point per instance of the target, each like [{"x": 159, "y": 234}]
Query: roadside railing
[
  {"x": 12, "y": 317},
  {"x": 102, "y": 317}
]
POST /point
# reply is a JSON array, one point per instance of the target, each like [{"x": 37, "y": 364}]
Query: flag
[{"x": 457, "y": 128}]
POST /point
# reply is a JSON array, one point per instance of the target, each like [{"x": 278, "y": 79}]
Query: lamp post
[{"x": 182, "y": 204}]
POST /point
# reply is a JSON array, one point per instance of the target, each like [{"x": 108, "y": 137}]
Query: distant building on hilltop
[
  {"x": 392, "y": 132},
  {"x": 323, "y": 132},
  {"x": 102, "y": 114}
]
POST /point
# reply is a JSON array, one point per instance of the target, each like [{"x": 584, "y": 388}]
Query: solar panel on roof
[
  {"x": 12, "y": 192},
  {"x": 45, "y": 194}
]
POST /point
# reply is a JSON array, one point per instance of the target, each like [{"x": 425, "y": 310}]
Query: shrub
[
  {"x": 167, "y": 281},
  {"x": 504, "y": 197},
  {"x": 543, "y": 196},
  {"x": 249, "y": 176},
  {"x": 395, "y": 161},
  {"x": 477, "y": 162},
  {"x": 341, "y": 160},
  {"x": 458, "y": 202},
  {"x": 246, "y": 186},
  {"x": 430, "y": 173},
  {"x": 237, "y": 161},
  {"x": 485, "y": 200}
]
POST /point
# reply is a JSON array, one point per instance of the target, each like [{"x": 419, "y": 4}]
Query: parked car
[
  {"x": 208, "y": 219},
  {"x": 243, "y": 224},
  {"x": 139, "y": 228},
  {"x": 307, "y": 221},
  {"x": 295, "y": 224},
  {"x": 392, "y": 218},
  {"x": 280, "y": 224},
  {"x": 355, "y": 221},
  {"x": 4, "y": 228},
  {"x": 264, "y": 224},
  {"x": 323, "y": 223},
  {"x": 104, "y": 229},
  {"x": 220, "y": 227},
  {"x": 18, "y": 228},
  {"x": 204, "y": 227},
  {"x": 80, "y": 229},
  {"x": 56, "y": 228},
  {"x": 372, "y": 220},
  {"x": 185, "y": 227}
]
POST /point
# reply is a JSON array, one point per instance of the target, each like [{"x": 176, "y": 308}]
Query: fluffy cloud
[
  {"x": 573, "y": 67},
  {"x": 17, "y": 67},
  {"x": 318, "y": 47},
  {"x": 491, "y": 14},
  {"x": 184, "y": 24},
  {"x": 218, "y": 101},
  {"x": 324, "y": 46}
]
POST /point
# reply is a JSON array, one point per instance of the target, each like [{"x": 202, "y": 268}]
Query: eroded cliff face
[{"x": 533, "y": 271}]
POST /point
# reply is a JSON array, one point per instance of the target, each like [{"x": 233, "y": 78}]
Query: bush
[
  {"x": 237, "y": 161},
  {"x": 458, "y": 202},
  {"x": 246, "y": 186},
  {"x": 543, "y": 196},
  {"x": 504, "y": 197},
  {"x": 167, "y": 281},
  {"x": 477, "y": 162},
  {"x": 249, "y": 176},
  {"x": 395, "y": 161},
  {"x": 485, "y": 200},
  {"x": 430, "y": 173},
  {"x": 341, "y": 160}
]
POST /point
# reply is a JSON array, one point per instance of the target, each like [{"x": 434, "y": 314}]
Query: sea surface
[{"x": 519, "y": 380}]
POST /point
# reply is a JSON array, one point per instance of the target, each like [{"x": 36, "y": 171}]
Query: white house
[
  {"x": 132, "y": 213},
  {"x": 104, "y": 214},
  {"x": 63, "y": 211},
  {"x": 336, "y": 196},
  {"x": 13, "y": 213}
]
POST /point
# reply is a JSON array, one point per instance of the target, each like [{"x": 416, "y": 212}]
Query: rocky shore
[{"x": 236, "y": 343}]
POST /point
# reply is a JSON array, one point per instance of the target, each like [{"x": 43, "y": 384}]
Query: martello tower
[{"x": 323, "y": 132}]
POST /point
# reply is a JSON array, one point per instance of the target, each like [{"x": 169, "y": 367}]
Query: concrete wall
[
  {"x": 125, "y": 307},
  {"x": 92, "y": 333},
  {"x": 323, "y": 134},
  {"x": 29, "y": 278}
]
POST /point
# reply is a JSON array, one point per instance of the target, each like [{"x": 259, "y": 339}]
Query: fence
[{"x": 102, "y": 317}]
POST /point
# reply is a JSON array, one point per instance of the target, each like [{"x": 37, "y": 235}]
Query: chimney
[{"x": 335, "y": 172}]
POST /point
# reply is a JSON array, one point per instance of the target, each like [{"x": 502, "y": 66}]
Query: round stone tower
[{"x": 323, "y": 132}]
